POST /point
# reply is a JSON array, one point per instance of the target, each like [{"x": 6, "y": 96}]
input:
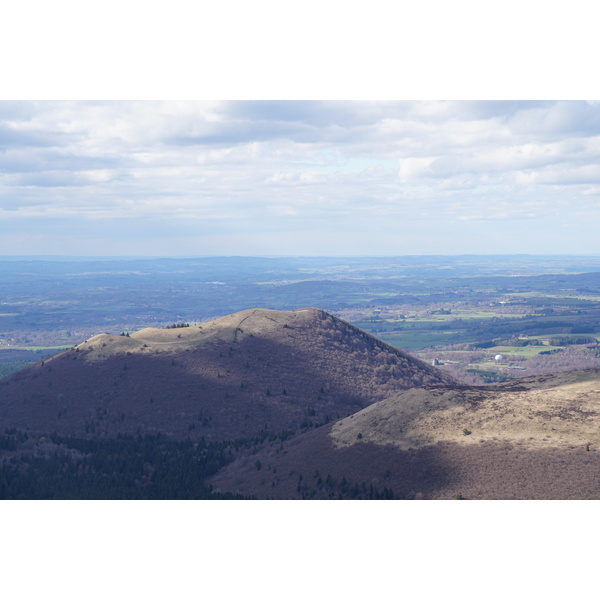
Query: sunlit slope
[
  {"x": 236, "y": 376},
  {"x": 561, "y": 409},
  {"x": 537, "y": 437}
]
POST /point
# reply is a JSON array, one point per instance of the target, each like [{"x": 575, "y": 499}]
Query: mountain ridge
[
  {"x": 535, "y": 438},
  {"x": 237, "y": 376}
]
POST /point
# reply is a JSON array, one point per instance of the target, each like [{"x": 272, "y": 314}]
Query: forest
[
  {"x": 121, "y": 468},
  {"x": 148, "y": 467}
]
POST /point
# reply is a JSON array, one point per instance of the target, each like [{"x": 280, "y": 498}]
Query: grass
[
  {"x": 436, "y": 320},
  {"x": 418, "y": 339},
  {"x": 43, "y": 347},
  {"x": 463, "y": 315},
  {"x": 565, "y": 335},
  {"x": 526, "y": 351},
  {"x": 548, "y": 295}
]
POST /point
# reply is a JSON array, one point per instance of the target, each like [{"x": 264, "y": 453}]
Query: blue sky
[{"x": 299, "y": 177}]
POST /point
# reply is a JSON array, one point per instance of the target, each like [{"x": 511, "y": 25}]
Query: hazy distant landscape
[
  {"x": 539, "y": 313},
  {"x": 126, "y": 378}
]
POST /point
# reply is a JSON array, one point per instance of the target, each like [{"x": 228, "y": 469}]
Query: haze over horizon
[{"x": 299, "y": 178}]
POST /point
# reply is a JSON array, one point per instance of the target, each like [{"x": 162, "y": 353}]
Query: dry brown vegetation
[
  {"x": 353, "y": 416},
  {"x": 230, "y": 378},
  {"x": 537, "y": 437}
]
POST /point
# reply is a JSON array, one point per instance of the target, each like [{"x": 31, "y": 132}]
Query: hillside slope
[
  {"x": 536, "y": 437},
  {"x": 233, "y": 377}
]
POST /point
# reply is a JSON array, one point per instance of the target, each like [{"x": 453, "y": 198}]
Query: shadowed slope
[
  {"x": 538, "y": 437},
  {"x": 233, "y": 377}
]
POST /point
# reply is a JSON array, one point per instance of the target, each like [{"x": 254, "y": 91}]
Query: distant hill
[
  {"x": 531, "y": 438},
  {"x": 238, "y": 376}
]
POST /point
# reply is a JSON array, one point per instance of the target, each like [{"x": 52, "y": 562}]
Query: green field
[
  {"x": 418, "y": 340},
  {"x": 63, "y": 347},
  {"x": 414, "y": 303},
  {"x": 526, "y": 351}
]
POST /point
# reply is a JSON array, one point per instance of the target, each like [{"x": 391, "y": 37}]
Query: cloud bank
[{"x": 285, "y": 177}]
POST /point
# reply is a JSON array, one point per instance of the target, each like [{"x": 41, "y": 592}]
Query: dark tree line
[
  {"x": 126, "y": 467},
  {"x": 318, "y": 487}
]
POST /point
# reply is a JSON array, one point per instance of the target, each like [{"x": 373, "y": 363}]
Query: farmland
[{"x": 463, "y": 310}]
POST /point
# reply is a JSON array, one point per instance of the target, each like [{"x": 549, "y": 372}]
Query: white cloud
[
  {"x": 413, "y": 168},
  {"x": 298, "y": 166}
]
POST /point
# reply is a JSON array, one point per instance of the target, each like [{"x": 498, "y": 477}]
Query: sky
[
  {"x": 251, "y": 129},
  {"x": 299, "y": 177}
]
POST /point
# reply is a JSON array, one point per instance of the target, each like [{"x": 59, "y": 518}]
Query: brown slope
[
  {"x": 233, "y": 377},
  {"x": 538, "y": 437}
]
